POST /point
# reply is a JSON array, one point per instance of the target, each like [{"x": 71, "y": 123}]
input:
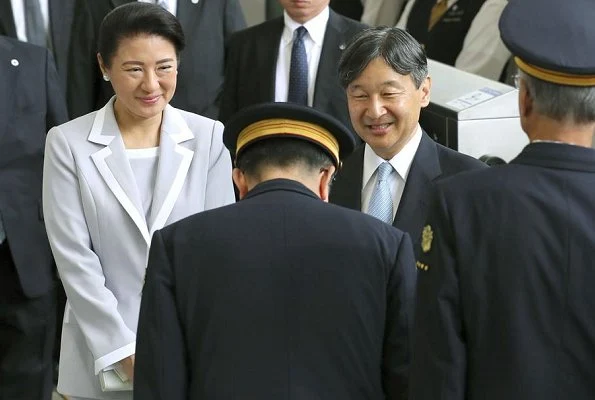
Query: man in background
[
  {"x": 462, "y": 33},
  {"x": 291, "y": 58},
  {"x": 31, "y": 103}
]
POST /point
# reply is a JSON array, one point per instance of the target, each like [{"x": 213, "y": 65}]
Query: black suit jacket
[
  {"x": 278, "y": 296},
  {"x": 431, "y": 162},
  {"x": 60, "y": 19},
  {"x": 506, "y": 302},
  {"x": 207, "y": 25},
  {"x": 31, "y": 102},
  {"x": 252, "y": 63}
]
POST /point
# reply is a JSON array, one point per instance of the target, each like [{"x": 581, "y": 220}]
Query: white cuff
[{"x": 115, "y": 356}]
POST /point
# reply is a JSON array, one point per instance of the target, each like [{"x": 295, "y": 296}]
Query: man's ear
[
  {"x": 525, "y": 100},
  {"x": 425, "y": 90},
  {"x": 240, "y": 180},
  {"x": 325, "y": 180}
]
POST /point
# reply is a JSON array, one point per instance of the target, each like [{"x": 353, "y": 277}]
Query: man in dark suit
[
  {"x": 207, "y": 25},
  {"x": 31, "y": 103},
  {"x": 59, "y": 15},
  {"x": 280, "y": 295},
  {"x": 385, "y": 73},
  {"x": 505, "y": 296},
  {"x": 260, "y": 60}
]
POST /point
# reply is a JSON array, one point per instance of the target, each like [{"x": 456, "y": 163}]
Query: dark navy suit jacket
[
  {"x": 31, "y": 102},
  {"x": 278, "y": 296},
  {"x": 506, "y": 287},
  {"x": 431, "y": 163}
]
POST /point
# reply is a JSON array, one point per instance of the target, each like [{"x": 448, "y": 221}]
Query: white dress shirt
[
  {"x": 18, "y": 14},
  {"x": 483, "y": 51},
  {"x": 172, "y": 5},
  {"x": 312, "y": 42},
  {"x": 401, "y": 163}
]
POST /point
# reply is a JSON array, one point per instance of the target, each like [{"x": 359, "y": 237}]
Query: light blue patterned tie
[
  {"x": 298, "y": 70},
  {"x": 381, "y": 202}
]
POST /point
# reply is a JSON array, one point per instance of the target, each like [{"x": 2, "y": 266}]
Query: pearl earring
[{"x": 106, "y": 77}]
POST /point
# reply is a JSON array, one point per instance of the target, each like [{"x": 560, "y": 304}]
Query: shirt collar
[
  {"x": 401, "y": 161},
  {"x": 316, "y": 27}
]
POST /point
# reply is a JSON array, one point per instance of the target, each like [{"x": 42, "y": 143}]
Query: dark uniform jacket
[
  {"x": 431, "y": 162},
  {"x": 506, "y": 282},
  {"x": 207, "y": 25},
  {"x": 251, "y": 66},
  {"x": 278, "y": 296}
]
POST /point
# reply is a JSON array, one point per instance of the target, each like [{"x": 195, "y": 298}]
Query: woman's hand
[{"x": 128, "y": 367}]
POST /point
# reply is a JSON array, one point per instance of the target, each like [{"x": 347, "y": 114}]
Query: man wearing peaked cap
[
  {"x": 505, "y": 300},
  {"x": 280, "y": 295}
]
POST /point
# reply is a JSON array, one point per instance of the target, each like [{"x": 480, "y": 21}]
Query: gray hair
[
  {"x": 561, "y": 102},
  {"x": 395, "y": 46}
]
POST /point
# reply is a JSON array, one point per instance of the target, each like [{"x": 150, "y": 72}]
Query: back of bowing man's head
[{"x": 286, "y": 141}]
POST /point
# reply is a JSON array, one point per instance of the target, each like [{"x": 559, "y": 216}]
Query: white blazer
[{"x": 100, "y": 237}]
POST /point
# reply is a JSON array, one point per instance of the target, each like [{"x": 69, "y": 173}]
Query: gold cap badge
[{"x": 426, "y": 238}]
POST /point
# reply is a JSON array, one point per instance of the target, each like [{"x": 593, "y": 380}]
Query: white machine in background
[{"x": 472, "y": 114}]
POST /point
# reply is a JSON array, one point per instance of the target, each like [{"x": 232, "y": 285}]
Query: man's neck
[{"x": 547, "y": 129}]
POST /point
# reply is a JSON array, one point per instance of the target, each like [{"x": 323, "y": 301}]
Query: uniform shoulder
[{"x": 453, "y": 162}]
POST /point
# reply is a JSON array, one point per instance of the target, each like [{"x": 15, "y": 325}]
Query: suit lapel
[
  {"x": 7, "y": 26},
  {"x": 348, "y": 190},
  {"x": 8, "y": 76},
  {"x": 412, "y": 207},
  {"x": 112, "y": 163},
  {"x": 174, "y": 162},
  {"x": 332, "y": 48},
  {"x": 267, "y": 53}
]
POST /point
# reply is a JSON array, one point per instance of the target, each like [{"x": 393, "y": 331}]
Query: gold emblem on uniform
[{"x": 426, "y": 238}]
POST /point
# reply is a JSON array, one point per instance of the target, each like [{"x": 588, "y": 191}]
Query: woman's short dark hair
[
  {"x": 134, "y": 19},
  {"x": 395, "y": 46}
]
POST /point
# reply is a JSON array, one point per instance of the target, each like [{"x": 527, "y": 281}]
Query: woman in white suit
[{"x": 113, "y": 177}]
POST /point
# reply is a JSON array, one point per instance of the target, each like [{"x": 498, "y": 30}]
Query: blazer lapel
[
  {"x": 347, "y": 191},
  {"x": 7, "y": 26},
  {"x": 332, "y": 47},
  {"x": 174, "y": 162},
  {"x": 412, "y": 207},
  {"x": 112, "y": 163},
  {"x": 9, "y": 77},
  {"x": 267, "y": 52}
]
